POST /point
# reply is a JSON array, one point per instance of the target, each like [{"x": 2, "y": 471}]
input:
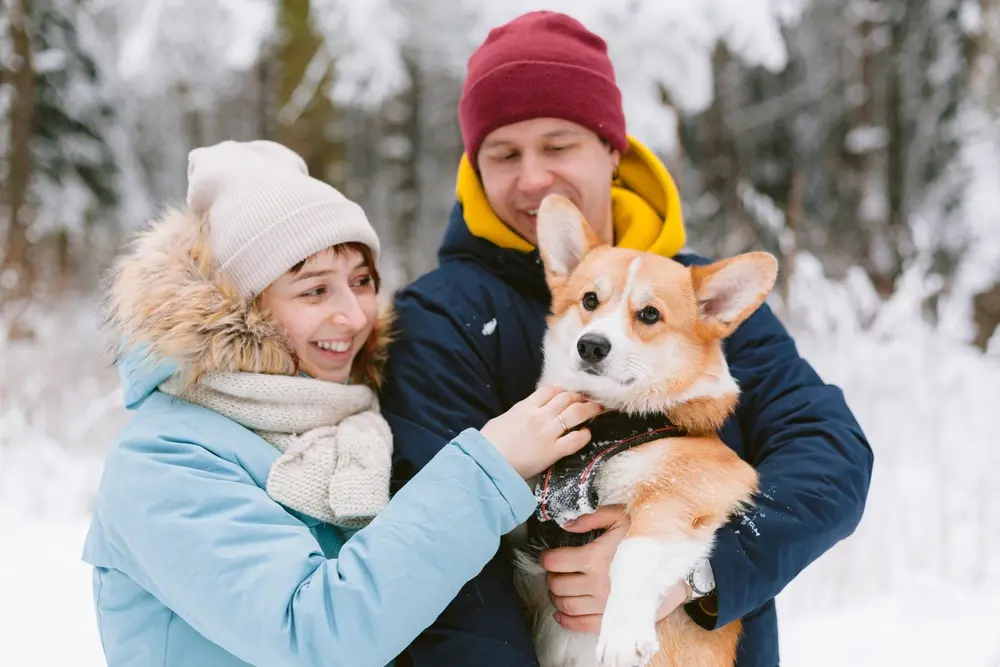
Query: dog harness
[{"x": 567, "y": 489}]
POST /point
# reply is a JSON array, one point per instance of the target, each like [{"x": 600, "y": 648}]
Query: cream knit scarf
[{"x": 336, "y": 449}]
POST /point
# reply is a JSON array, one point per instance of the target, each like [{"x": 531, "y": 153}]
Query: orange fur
[
  {"x": 688, "y": 298},
  {"x": 695, "y": 490},
  {"x": 698, "y": 483},
  {"x": 703, "y": 415}
]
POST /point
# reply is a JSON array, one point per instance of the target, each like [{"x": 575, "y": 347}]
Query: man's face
[{"x": 521, "y": 163}]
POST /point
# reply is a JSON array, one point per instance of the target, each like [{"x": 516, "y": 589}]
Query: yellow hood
[{"x": 644, "y": 202}]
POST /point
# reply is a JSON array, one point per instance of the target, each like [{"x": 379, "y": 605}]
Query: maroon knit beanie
[{"x": 541, "y": 65}]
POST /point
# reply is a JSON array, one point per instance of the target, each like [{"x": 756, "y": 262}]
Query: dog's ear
[
  {"x": 564, "y": 236},
  {"x": 730, "y": 290}
]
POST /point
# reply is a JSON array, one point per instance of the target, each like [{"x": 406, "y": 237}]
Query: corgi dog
[{"x": 642, "y": 335}]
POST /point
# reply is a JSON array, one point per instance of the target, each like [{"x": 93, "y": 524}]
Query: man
[{"x": 541, "y": 113}]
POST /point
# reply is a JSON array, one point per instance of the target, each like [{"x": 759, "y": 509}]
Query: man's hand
[{"x": 579, "y": 577}]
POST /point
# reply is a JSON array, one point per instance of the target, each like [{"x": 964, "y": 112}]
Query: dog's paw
[{"x": 624, "y": 644}]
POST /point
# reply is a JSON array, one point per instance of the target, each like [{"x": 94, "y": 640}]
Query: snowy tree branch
[{"x": 305, "y": 91}]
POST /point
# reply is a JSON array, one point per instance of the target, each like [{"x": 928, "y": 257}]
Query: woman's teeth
[{"x": 334, "y": 346}]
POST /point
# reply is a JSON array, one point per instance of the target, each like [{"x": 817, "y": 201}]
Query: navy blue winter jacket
[{"x": 469, "y": 347}]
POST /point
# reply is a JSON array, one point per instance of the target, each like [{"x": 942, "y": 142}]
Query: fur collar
[{"x": 165, "y": 294}]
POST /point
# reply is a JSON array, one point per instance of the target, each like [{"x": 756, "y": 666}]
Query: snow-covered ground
[
  {"x": 931, "y": 625},
  {"x": 47, "y": 620},
  {"x": 46, "y": 608}
]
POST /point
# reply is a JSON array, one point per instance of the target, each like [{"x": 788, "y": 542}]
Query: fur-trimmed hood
[{"x": 166, "y": 296}]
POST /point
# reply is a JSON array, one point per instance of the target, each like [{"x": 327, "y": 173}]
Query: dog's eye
[
  {"x": 590, "y": 301},
  {"x": 649, "y": 315}
]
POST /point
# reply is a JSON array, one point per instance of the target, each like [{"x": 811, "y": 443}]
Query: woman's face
[{"x": 327, "y": 307}]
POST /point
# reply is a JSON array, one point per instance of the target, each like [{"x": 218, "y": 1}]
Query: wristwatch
[{"x": 701, "y": 580}]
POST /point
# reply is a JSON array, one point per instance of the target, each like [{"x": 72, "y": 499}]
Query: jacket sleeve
[
  {"x": 438, "y": 383},
  {"x": 214, "y": 548},
  {"x": 814, "y": 465}
]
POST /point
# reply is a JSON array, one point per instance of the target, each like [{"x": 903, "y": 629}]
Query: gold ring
[{"x": 563, "y": 422}]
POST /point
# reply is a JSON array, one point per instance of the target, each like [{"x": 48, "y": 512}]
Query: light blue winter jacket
[{"x": 195, "y": 565}]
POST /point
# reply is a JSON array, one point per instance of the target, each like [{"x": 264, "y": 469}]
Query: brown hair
[
  {"x": 368, "y": 364},
  {"x": 366, "y": 255}
]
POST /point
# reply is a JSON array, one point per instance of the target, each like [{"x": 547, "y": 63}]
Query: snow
[
  {"x": 49, "y": 61},
  {"x": 366, "y": 38},
  {"x": 61, "y": 410},
  {"x": 164, "y": 43},
  {"x": 980, "y": 267},
  {"x": 45, "y": 590},
  {"x": 928, "y": 625},
  {"x": 46, "y": 605},
  {"x": 676, "y": 41},
  {"x": 917, "y": 584},
  {"x": 971, "y": 17},
  {"x": 866, "y": 138}
]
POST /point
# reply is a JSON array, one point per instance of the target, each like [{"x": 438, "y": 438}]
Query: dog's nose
[{"x": 593, "y": 348}]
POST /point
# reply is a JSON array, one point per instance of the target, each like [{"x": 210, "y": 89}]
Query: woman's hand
[{"x": 535, "y": 433}]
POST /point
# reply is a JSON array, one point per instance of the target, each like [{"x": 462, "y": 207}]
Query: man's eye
[{"x": 590, "y": 301}]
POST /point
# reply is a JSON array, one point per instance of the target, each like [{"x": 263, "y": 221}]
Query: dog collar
[{"x": 567, "y": 489}]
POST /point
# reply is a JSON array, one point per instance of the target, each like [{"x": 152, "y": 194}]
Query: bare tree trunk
[
  {"x": 877, "y": 183},
  {"x": 16, "y": 274},
  {"x": 308, "y": 121},
  {"x": 407, "y": 194},
  {"x": 788, "y": 242},
  {"x": 194, "y": 126},
  {"x": 262, "y": 84},
  {"x": 722, "y": 171},
  {"x": 986, "y": 307},
  {"x": 986, "y": 304},
  {"x": 896, "y": 169}
]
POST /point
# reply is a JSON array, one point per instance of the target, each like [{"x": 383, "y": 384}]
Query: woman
[{"x": 244, "y": 516}]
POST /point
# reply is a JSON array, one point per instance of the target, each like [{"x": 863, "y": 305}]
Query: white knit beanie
[{"x": 265, "y": 213}]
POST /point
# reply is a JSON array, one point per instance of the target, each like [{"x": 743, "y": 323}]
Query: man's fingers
[
  {"x": 568, "y": 583},
  {"x": 576, "y": 605},
  {"x": 589, "y": 623},
  {"x": 565, "y": 559},
  {"x": 607, "y": 516}
]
